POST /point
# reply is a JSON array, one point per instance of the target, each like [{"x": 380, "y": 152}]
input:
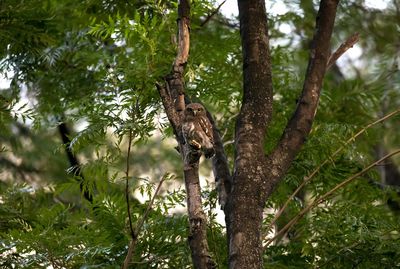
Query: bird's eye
[{"x": 189, "y": 109}]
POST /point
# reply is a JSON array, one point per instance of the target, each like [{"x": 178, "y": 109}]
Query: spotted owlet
[{"x": 197, "y": 129}]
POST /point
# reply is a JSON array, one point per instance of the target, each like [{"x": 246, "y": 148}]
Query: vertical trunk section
[
  {"x": 255, "y": 176},
  {"x": 245, "y": 206},
  {"x": 197, "y": 220}
]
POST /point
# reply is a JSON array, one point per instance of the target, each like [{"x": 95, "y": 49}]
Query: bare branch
[
  {"x": 330, "y": 158},
  {"x": 223, "y": 177},
  {"x": 74, "y": 161},
  {"x": 212, "y": 14},
  {"x": 127, "y": 196},
  {"x": 139, "y": 225},
  {"x": 176, "y": 81},
  {"x": 169, "y": 107},
  {"x": 183, "y": 33},
  {"x": 349, "y": 43},
  {"x": 324, "y": 197},
  {"x": 173, "y": 98},
  {"x": 299, "y": 125}
]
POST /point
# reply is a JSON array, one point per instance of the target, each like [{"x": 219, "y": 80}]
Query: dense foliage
[{"x": 93, "y": 66}]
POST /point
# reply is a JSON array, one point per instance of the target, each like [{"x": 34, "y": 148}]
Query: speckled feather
[{"x": 197, "y": 129}]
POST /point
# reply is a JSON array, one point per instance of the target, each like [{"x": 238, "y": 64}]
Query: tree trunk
[
  {"x": 255, "y": 175},
  {"x": 245, "y": 207}
]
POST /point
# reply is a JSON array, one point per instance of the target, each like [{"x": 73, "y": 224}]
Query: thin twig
[
  {"x": 322, "y": 198},
  {"x": 212, "y": 14},
  {"x": 127, "y": 182},
  {"x": 316, "y": 170},
  {"x": 139, "y": 225},
  {"x": 349, "y": 43}
]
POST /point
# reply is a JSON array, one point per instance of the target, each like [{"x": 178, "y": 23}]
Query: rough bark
[
  {"x": 173, "y": 98},
  {"x": 255, "y": 175},
  {"x": 197, "y": 220},
  {"x": 297, "y": 192},
  {"x": 177, "y": 82},
  {"x": 299, "y": 125},
  {"x": 222, "y": 174},
  {"x": 245, "y": 207}
]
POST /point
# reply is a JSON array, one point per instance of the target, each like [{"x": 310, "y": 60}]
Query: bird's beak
[{"x": 194, "y": 112}]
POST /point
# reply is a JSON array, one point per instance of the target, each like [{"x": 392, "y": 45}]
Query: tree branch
[
  {"x": 197, "y": 220},
  {"x": 73, "y": 161},
  {"x": 212, "y": 14},
  {"x": 176, "y": 77},
  {"x": 223, "y": 177},
  {"x": 173, "y": 98},
  {"x": 322, "y": 198},
  {"x": 256, "y": 110},
  {"x": 139, "y": 225},
  {"x": 169, "y": 108},
  {"x": 128, "y": 207},
  {"x": 349, "y": 43},
  {"x": 330, "y": 158},
  {"x": 299, "y": 125}
]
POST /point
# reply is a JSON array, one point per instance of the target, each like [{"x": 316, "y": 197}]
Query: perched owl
[{"x": 197, "y": 129}]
